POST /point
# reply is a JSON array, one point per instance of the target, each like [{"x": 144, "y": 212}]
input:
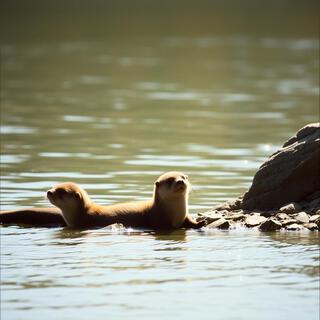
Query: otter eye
[
  {"x": 61, "y": 192},
  {"x": 186, "y": 177}
]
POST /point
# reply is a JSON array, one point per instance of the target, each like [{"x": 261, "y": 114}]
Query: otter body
[
  {"x": 37, "y": 217},
  {"x": 168, "y": 208}
]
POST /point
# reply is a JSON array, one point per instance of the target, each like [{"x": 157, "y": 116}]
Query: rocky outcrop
[
  {"x": 289, "y": 175},
  {"x": 285, "y": 192}
]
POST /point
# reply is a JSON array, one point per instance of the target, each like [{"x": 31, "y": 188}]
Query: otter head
[
  {"x": 68, "y": 197},
  {"x": 172, "y": 185}
]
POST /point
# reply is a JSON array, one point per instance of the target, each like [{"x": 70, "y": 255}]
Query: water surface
[{"x": 112, "y": 108}]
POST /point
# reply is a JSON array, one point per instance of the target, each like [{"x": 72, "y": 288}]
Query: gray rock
[
  {"x": 314, "y": 218},
  {"x": 294, "y": 227},
  {"x": 311, "y": 226},
  {"x": 317, "y": 222},
  {"x": 254, "y": 220},
  {"x": 282, "y": 216},
  {"x": 301, "y": 217},
  {"x": 220, "y": 224},
  {"x": 231, "y": 205},
  {"x": 289, "y": 175},
  {"x": 235, "y": 216},
  {"x": 211, "y": 217},
  {"x": 290, "y": 208},
  {"x": 214, "y": 216},
  {"x": 288, "y": 222},
  {"x": 270, "y": 225}
]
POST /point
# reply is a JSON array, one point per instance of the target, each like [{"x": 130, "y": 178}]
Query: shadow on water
[
  {"x": 175, "y": 236},
  {"x": 66, "y": 235}
]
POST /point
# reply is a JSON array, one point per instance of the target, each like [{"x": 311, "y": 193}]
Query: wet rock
[
  {"x": 290, "y": 208},
  {"x": 311, "y": 226},
  {"x": 301, "y": 217},
  {"x": 230, "y": 205},
  {"x": 214, "y": 216},
  {"x": 289, "y": 175},
  {"x": 314, "y": 217},
  {"x": 270, "y": 225},
  {"x": 294, "y": 227},
  {"x": 235, "y": 216},
  {"x": 267, "y": 214},
  {"x": 220, "y": 224},
  {"x": 282, "y": 216},
  {"x": 288, "y": 221},
  {"x": 317, "y": 222},
  {"x": 211, "y": 216},
  {"x": 254, "y": 220}
]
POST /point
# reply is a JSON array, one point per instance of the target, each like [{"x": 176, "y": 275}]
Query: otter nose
[{"x": 180, "y": 183}]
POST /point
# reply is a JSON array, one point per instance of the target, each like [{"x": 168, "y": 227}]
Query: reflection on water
[
  {"x": 127, "y": 91},
  {"x": 214, "y": 105},
  {"x": 134, "y": 272}
]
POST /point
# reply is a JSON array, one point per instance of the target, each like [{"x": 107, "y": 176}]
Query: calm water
[{"x": 112, "y": 112}]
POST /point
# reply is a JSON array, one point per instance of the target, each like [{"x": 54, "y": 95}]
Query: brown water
[{"x": 116, "y": 98}]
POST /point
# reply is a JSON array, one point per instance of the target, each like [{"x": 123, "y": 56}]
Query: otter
[
  {"x": 168, "y": 208},
  {"x": 34, "y": 217}
]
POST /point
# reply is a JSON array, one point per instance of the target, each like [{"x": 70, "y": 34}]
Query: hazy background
[{"x": 110, "y": 94}]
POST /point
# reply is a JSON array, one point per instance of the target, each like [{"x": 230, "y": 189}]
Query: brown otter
[
  {"x": 168, "y": 208},
  {"x": 36, "y": 217}
]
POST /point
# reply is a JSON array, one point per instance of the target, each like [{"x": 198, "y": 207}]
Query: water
[
  {"x": 112, "y": 108},
  {"x": 229, "y": 275}
]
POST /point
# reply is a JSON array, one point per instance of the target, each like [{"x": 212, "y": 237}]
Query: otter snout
[
  {"x": 180, "y": 183},
  {"x": 49, "y": 193}
]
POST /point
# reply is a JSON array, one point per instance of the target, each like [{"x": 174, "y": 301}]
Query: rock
[
  {"x": 317, "y": 222},
  {"x": 294, "y": 227},
  {"x": 235, "y": 216},
  {"x": 289, "y": 175},
  {"x": 230, "y": 205},
  {"x": 267, "y": 214},
  {"x": 214, "y": 216},
  {"x": 282, "y": 216},
  {"x": 311, "y": 226},
  {"x": 290, "y": 208},
  {"x": 287, "y": 222},
  {"x": 301, "y": 217},
  {"x": 314, "y": 218},
  {"x": 254, "y": 220},
  {"x": 221, "y": 224},
  {"x": 270, "y": 225}
]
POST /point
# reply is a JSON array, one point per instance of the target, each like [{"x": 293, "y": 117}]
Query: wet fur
[
  {"x": 166, "y": 210},
  {"x": 37, "y": 217}
]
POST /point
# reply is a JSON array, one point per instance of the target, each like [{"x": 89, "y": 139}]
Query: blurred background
[{"x": 110, "y": 94}]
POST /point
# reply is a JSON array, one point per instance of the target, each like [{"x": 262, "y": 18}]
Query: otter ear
[
  {"x": 78, "y": 195},
  {"x": 157, "y": 183}
]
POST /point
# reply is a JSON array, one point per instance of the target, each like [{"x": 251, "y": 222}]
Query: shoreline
[{"x": 285, "y": 192}]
